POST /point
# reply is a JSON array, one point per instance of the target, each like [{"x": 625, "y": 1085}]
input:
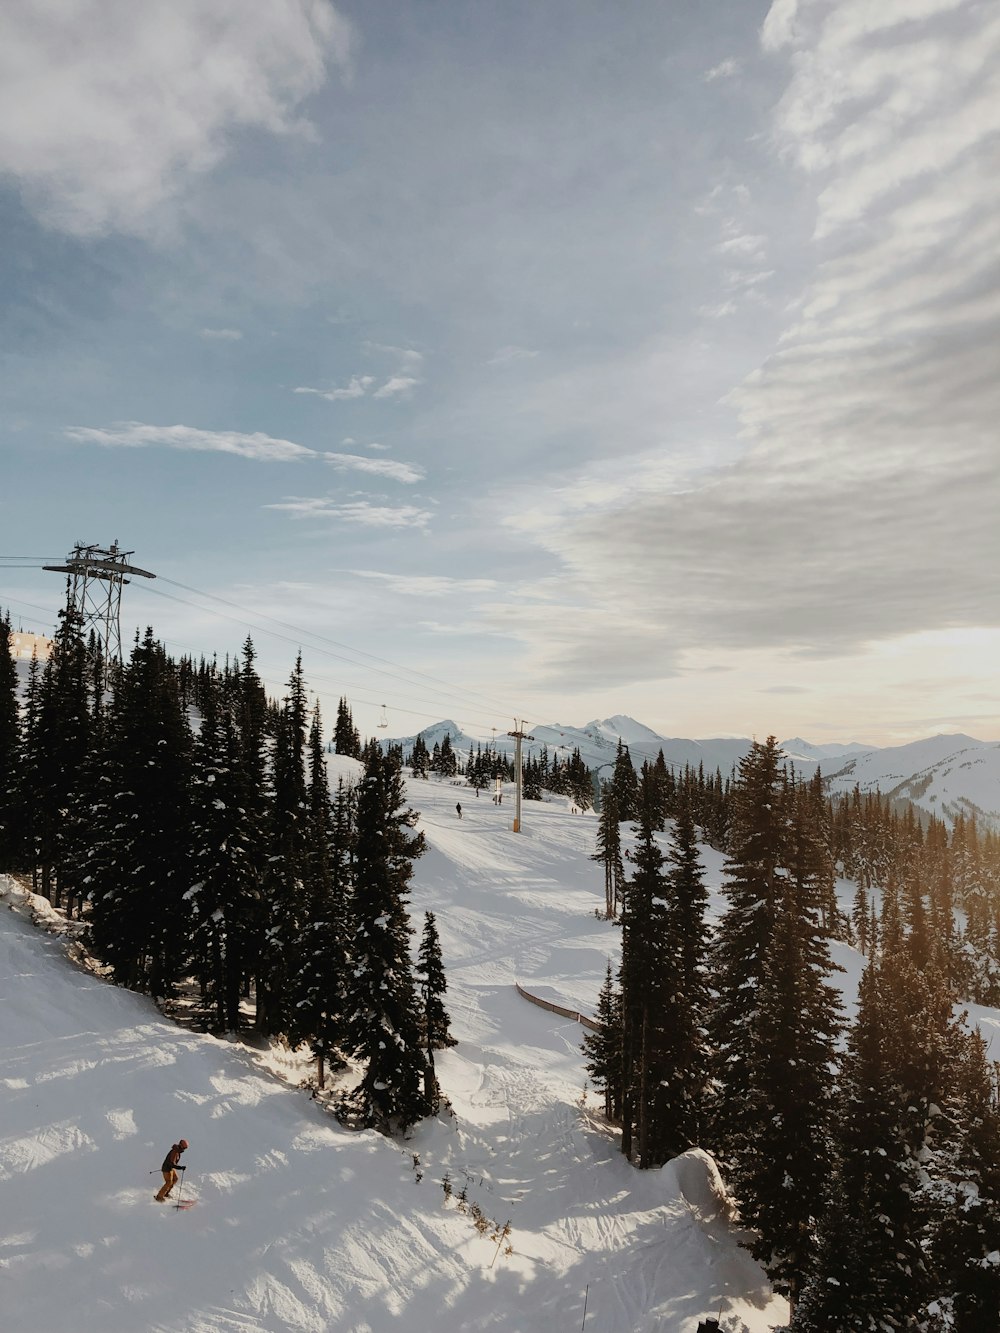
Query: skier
[
  {"x": 458, "y": 807},
  {"x": 171, "y": 1165}
]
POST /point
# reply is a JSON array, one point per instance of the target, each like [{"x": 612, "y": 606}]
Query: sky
[{"x": 519, "y": 361}]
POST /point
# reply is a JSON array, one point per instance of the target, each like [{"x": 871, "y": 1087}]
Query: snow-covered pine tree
[
  {"x": 10, "y": 754},
  {"x": 609, "y": 850},
  {"x": 60, "y": 744},
  {"x": 964, "y": 1224},
  {"x": 283, "y": 893},
  {"x": 781, "y": 1172},
  {"x": 646, "y": 981},
  {"x": 684, "y": 1005},
  {"x": 754, "y": 884},
  {"x": 383, "y": 1017},
  {"x": 138, "y": 867},
  {"x": 602, "y": 1048},
  {"x": 625, "y": 785},
  {"x": 319, "y": 987},
  {"x": 447, "y": 761},
  {"x": 420, "y": 758},
  {"x": 225, "y": 888},
  {"x": 868, "y": 1275},
  {"x": 433, "y": 985},
  {"x": 346, "y": 739}
]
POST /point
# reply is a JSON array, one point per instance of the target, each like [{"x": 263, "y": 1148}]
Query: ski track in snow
[{"x": 304, "y": 1226}]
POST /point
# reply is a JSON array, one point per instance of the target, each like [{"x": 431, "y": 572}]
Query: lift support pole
[{"x": 519, "y": 735}]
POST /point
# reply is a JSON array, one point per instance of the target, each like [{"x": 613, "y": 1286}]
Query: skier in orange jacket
[{"x": 171, "y": 1165}]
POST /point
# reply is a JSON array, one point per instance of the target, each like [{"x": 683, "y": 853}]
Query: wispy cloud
[
  {"x": 222, "y": 335},
  {"x": 749, "y": 247},
  {"x": 103, "y": 123},
  {"x": 725, "y": 69},
  {"x": 396, "y": 385},
  {"x": 137, "y": 435},
  {"x": 425, "y": 585},
  {"x": 863, "y": 505},
  {"x": 365, "y": 513},
  {"x": 407, "y": 473},
  {"x": 408, "y": 357},
  {"x": 507, "y": 356},
  {"x": 357, "y": 388}
]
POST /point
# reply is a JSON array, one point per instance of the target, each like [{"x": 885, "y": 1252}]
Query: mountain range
[{"x": 943, "y": 775}]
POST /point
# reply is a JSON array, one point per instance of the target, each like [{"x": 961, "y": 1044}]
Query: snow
[
  {"x": 945, "y": 775},
  {"x": 303, "y": 1225}
]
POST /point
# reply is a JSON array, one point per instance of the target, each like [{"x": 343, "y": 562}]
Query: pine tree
[
  {"x": 226, "y": 883},
  {"x": 781, "y": 1173},
  {"x": 433, "y": 984},
  {"x": 869, "y": 1271},
  {"x": 283, "y": 900},
  {"x": 625, "y": 785},
  {"x": 59, "y": 752},
  {"x": 420, "y": 758},
  {"x": 754, "y": 885},
  {"x": 10, "y": 754},
  {"x": 684, "y": 1002},
  {"x": 602, "y": 1048},
  {"x": 609, "y": 851},
  {"x": 964, "y": 1239},
  {"x": 138, "y": 868},
  {"x": 645, "y": 982},
  {"x": 346, "y": 739},
  {"x": 384, "y": 1022},
  {"x": 319, "y": 988}
]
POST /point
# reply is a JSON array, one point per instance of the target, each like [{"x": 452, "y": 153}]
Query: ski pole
[{"x": 180, "y": 1192}]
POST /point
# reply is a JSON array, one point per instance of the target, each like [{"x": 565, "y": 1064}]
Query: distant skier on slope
[
  {"x": 458, "y": 807},
  {"x": 171, "y": 1165}
]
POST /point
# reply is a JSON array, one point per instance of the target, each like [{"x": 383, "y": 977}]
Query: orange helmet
[{"x": 183, "y": 1143}]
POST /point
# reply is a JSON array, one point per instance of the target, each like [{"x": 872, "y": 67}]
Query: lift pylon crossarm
[{"x": 99, "y": 569}]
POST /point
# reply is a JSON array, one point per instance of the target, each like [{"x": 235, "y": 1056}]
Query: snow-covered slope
[
  {"x": 945, "y": 775},
  {"x": 302, "y": 1225},
  {"x": 942, "y": 774}
]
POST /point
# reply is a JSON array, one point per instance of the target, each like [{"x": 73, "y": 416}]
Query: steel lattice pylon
[{"x": 96, "y": 576}]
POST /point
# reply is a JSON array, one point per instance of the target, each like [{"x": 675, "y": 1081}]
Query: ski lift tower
[{"x": 95, "y": 578}]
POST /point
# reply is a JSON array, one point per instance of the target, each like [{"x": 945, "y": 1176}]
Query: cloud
[
  {"x": 222, "y": 335},
  {"x": 743, "y": 247},
  {"x": 506, "y": 356},
  {"x": 718, "y": 311},
  {"x": 398, "y": 384},
  {"x": 409, "y": 358},
  {"x": 136, "y": 435},
  {"x": 361, "y": 512},
  {"x": 425, "y": 585},
  {"x": 725, "y": 69},
  {"x": 357, "y": 388},
  {"x": 407, "y": 473},
  {"x": 861, "y": 506},
  {"x": 109, "y": 109}
]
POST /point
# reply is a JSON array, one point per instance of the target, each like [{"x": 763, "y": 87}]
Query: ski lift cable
[
  {"x": 360, "y": 652},
  {"x": 452, "y": 688},
  {"x": 251, "y": 624},
  {"x": 353, "y": 697}
]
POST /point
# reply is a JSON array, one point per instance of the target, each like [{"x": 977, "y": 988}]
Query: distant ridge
[{"x": 944, "y": 775}]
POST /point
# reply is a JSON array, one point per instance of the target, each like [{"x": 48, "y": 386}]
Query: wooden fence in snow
[{"x": 557, "y": 1008}]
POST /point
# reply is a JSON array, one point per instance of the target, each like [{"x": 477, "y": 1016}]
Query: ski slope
[{"x": 302, "y": 1225}]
